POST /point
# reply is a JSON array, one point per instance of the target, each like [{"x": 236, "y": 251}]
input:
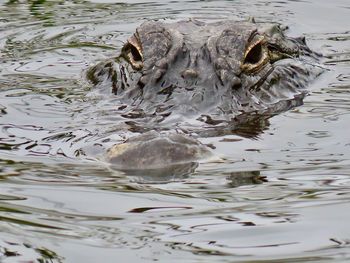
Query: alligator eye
[
  {"x": 132, "y": 52},
  {"x": 255, "y": 56}
]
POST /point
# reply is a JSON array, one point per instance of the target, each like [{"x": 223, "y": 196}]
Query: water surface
[{"x": 280, "y": 197}]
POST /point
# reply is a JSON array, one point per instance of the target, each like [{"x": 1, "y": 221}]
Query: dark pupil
[
  {"x": 254, "y": 54},
  {"x": 135, "y": 53}
]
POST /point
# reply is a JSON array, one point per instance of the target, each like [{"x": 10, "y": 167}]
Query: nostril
[
  {"x": 189, "y": 74},
  {"x": 236, "y": 83}
]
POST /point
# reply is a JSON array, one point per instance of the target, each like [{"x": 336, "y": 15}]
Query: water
[{"x": 281, "y": 197}]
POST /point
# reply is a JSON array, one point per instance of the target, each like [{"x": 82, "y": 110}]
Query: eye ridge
[{"x": 277, "y": 53}]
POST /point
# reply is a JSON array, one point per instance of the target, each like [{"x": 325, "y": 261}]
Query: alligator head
[{"x": 209, "y": 73}]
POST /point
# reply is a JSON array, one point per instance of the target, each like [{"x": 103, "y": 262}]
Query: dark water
[{"x": 281, "y": 197}]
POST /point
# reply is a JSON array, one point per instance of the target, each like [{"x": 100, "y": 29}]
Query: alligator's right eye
[
  {"x": 256, "y": 55},
  {"x": 132, "y": 52}
]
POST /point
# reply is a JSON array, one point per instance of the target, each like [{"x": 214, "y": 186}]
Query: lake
[{"x": 281, "y": 196}]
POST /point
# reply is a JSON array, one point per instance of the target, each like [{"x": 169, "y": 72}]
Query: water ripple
[{"x": 60, "y": 203}]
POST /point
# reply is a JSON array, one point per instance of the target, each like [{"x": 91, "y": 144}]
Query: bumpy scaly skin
[{"x": 197, "y": 76}]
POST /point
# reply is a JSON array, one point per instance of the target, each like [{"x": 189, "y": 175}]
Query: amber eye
[
  {"x": 256, "y": 55},
  {"x": 132, "y": 52}
]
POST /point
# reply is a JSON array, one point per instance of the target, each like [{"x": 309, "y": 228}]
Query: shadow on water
[
  {"x": 181, "y": 172},
  {"x": 40, "y": 9},
  {"x": 237, "y": 179}
]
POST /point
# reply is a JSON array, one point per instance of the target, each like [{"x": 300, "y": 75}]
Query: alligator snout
[{"x": 154, "y": 150}]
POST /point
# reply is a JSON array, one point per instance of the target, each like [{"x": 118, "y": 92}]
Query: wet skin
[{"x": 203, "y": 79}]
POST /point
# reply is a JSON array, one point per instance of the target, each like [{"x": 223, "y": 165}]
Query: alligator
[{"x": 177, "y": 82}]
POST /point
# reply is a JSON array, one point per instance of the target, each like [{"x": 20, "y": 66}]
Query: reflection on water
[
  {"x": 279, "y": 191},
  {"x": 10, "y": 250}
]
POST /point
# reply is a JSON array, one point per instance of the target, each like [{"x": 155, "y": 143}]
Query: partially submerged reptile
[{"x": 177, "y": 81}]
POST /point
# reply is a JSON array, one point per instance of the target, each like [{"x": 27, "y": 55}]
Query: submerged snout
[{"x": 154, "y": 150}]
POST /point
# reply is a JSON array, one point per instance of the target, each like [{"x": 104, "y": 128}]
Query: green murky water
[{"x": 60, "y": 205}]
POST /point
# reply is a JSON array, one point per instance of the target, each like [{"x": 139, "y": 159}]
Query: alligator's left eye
[
  {"x": 256, "y": 55},
  {"x": 132, "y": 52}
]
